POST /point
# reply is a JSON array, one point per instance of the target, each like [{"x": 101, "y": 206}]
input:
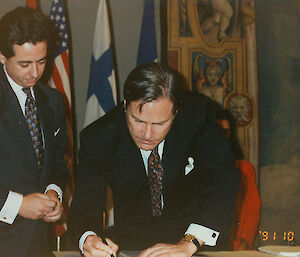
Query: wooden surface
[
  {"x": 202, "y": 254},
  {"x": 265, "y": 251},
  {"x": 210, "y": 254}
]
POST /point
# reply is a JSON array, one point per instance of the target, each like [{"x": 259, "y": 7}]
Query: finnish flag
[{"x": 102, "y": 93}]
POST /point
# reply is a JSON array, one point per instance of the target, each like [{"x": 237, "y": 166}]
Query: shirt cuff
[
  {"x": 207, "y": 235},
  {"x": 83, "y": 237},
  {"x": 11, "y": 207},
  {"x": 57, "y": 189}
]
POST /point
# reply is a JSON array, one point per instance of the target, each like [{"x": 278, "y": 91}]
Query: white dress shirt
[{"x": 13, "y": 202}]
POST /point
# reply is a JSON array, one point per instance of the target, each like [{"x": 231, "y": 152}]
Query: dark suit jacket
[
  {"x": 205, "y": 196},
  {"x": 18, "y": 170}
]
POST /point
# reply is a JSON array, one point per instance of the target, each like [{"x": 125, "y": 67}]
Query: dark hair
[
  {"x": 23, "y": 25},
  {"x": 223, "y": 114},
  {"x": 151, "y": 81}
]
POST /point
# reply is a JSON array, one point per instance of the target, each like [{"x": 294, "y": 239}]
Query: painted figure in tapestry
[
  {"x": 221, "y": 15},
  {"x": 241, "y": 108},
  {"x": 212, "y": 77},
  {"x": 185, "y": 30},
  {"x": 219, "y": 19}
]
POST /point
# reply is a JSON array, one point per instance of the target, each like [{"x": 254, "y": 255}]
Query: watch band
[{"x": 193, "y": 239}]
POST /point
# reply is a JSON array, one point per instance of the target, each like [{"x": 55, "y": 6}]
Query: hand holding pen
[
  {"x": 94, "y": 246},
  {"x": 105, "y": 242}
]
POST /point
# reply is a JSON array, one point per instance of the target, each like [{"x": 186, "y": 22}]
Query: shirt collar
[
  {"x": 15, "y": 86},
  {"x": 160, "y": 149}
]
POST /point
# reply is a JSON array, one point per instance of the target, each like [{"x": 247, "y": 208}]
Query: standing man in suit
[
  {"x": 170, "y": 168},
  {"x": 32, "y": 137}
]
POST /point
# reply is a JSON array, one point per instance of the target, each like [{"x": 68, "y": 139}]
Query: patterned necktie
[
  {"x": 33, "y": 123},
  {"x": 155, "y": 175}
]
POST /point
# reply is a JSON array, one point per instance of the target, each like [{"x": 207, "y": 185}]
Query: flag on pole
[
  {"x": 147, "y": 47},
  {"x": 102, "y": 93},
  {"x": 32, "y": 4},
  {"x": 60, "y": 79}
]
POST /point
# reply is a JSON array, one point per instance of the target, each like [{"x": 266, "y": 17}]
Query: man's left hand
[
  {"x": 181, "y": 249},
  {"x": 55, "y": 214}
]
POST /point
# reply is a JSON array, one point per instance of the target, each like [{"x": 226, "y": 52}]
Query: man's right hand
[
  {"x": 36, "y": 206},
  {"x": 93, "y": 246}
]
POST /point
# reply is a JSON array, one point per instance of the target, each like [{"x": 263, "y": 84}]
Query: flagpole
[{"x": 60, "y": 79}]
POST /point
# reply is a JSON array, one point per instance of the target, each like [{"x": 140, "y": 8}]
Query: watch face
[
  {"x": 188, "y": 237},
  {"x": 193, "y": 239}
]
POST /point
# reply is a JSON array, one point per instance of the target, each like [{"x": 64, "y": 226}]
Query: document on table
[{"x": 279, "y": 250}]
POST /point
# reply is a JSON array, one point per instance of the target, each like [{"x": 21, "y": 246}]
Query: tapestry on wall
[{"x": 213, "y": 44}]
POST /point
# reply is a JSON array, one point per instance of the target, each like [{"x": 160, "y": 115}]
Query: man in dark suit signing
[
  {"x": 32, "y": 137},
  {"x": 170, "y": 168}
]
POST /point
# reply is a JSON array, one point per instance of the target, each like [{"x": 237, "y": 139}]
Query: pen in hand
[{"x": 105, "y": 242}]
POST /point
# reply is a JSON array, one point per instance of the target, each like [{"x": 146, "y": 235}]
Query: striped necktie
[
  {"x": 155, "y": 175},
  {"x": 34, "y": 126}
]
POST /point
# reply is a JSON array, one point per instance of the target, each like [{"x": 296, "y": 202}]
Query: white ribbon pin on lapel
[{"x": 190, "y": 166}]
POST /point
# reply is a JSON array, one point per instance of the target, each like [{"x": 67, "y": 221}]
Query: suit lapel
[
  {"x": 127, "y": 156},
  {"x": 173, "y": 156},
  {"x": 11, "y": 114},
  {"x": 176, "y": 151}
]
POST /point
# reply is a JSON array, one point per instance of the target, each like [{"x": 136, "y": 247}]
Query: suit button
[{"x": 20, "y": 122}]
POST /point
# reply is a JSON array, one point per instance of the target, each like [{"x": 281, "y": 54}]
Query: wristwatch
[{"x": 193, "y": 239}]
